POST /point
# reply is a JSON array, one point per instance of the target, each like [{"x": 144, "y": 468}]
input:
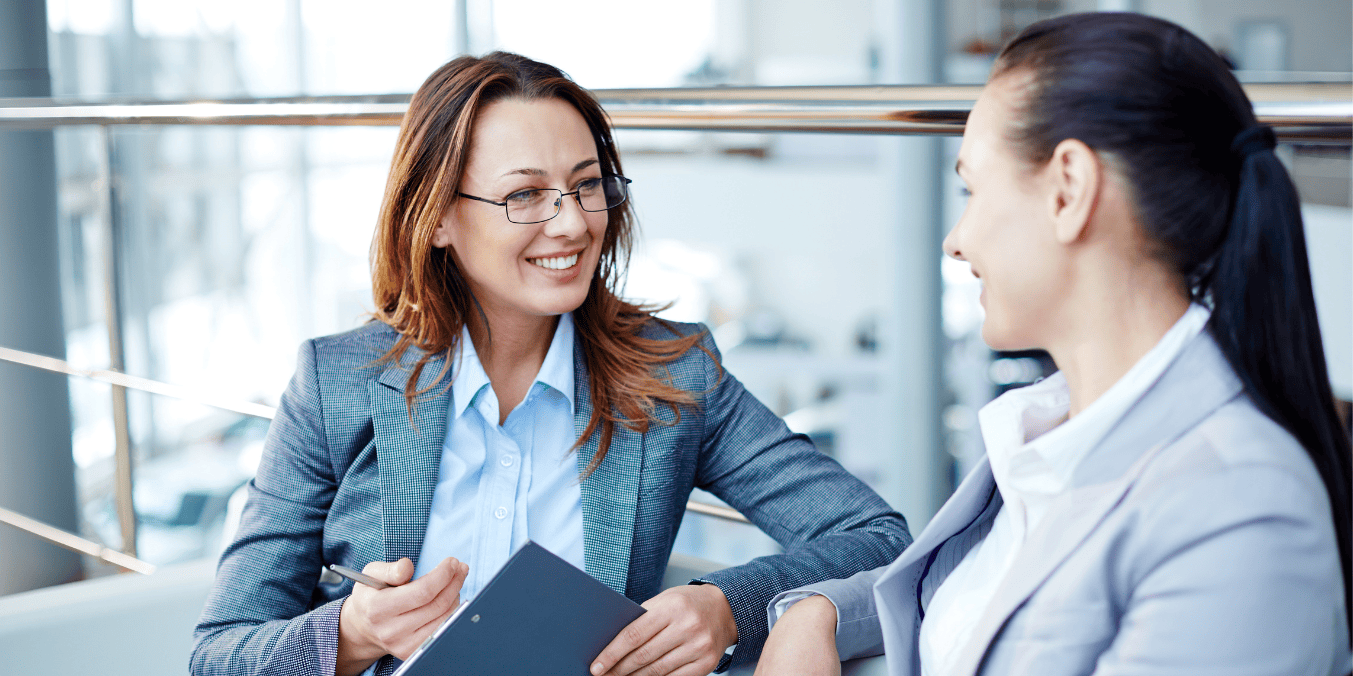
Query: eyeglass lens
[{"x": 542, "y": 204}]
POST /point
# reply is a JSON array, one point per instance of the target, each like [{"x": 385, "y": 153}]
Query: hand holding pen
[{"x": 396, "y": 618}]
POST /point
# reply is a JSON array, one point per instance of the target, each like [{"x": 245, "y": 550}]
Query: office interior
[{"x": 196, "y": 258}]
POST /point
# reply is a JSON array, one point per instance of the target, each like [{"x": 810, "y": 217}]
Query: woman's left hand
[{"x": 684, "y": 633}]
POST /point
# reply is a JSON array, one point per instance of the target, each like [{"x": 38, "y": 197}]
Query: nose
[
  {"x": 951, "y": 244},
  {"x": 571, "y": 222}
]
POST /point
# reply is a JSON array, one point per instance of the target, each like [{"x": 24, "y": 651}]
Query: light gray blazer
[{"x": 1196, "y": 538}]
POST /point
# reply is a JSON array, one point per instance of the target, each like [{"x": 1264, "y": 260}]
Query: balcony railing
[{"x": 1307, "y": 113}]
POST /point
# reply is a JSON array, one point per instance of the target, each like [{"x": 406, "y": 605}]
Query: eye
[
  {"x": 523, "y": 198},
  {"x": 589, "y": 186},
  {"x": 964, "y": 191}
]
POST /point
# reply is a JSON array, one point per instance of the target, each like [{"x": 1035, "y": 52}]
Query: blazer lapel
[
  {"x": 896, "y": 591},
  {"x": 408, "y": 455},
  {"x": 1197, "y": 383},
  {"x": 957, "y": 513},
  {"x": 610, "y": 496}
]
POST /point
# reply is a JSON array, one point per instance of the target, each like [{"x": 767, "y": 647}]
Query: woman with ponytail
[{"x": 1176, "y": 499}]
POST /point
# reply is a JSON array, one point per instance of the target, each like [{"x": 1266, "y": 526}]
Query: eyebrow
[
  {"x": 958, "y": 167},
  {"x": 530, "y": 171}
]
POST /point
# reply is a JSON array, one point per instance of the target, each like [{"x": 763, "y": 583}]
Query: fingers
[
  {"x": 421, "y": 592},
  {"x": 392, "y": 573},
  {"x": 682, "y": 631},
  {"x": 448, "y": 598},
  {"x": 436, "y": 613},
  {"x": 670, "y": 652},
  {"x": 399, "y": 618},
  {"x": 633, "y": 637}
]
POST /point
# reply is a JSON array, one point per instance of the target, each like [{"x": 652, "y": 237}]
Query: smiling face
[
  {"x": 1006, "y": 231},
  {"x": 540, "y": 269}
]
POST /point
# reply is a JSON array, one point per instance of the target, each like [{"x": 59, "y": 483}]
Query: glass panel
[{"x": 237, "y": 243}]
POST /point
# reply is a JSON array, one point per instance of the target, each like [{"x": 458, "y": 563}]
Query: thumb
[{"x": 391, "y": 573}]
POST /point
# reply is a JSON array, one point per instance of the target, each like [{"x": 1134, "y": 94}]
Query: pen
[{"x": 357, "y": 577}]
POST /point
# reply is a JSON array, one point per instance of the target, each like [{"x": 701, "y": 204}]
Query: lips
[{"x": 556, "y": 262}]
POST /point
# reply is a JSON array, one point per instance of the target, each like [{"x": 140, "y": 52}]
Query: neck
[
  {"x": 1111, "y": 322},
  {"x": 511, "y": 350}
]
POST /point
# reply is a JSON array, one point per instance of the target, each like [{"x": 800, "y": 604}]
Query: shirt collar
[
  {"x": 1031, "y": 453},
  {"x": 556, "y": 372}
]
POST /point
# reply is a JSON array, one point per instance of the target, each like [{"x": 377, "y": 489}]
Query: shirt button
[
  {"x": 507, "y": 461},
  {"x": 501, "y": 512}
]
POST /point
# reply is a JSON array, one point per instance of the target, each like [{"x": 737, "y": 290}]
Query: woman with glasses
[
  {"x": 1176, "y": 499},
  {"x": 505, "y": 392}
]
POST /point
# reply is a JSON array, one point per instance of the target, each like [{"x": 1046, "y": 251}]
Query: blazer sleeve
[
  {"x": 830, "y": 524},
  {"x": 258, "y": 618},
  {"x": 1236, "y": 588},
  {"x": 858, "y": 631}
]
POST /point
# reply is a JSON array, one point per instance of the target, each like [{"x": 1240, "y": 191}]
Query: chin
[
  {"x": 562, "y": 303},
  {"x": 1002, "y": 338}
]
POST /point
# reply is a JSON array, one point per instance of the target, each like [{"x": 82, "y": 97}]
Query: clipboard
[{"x": 538, "y": 615}]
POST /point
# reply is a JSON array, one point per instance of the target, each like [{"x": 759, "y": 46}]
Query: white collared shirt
[
  {"x": 500, "y": 485},
  {"x": 1033, "y": 456}
]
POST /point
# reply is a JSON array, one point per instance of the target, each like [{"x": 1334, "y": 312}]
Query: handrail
[
  {"x": 74, "y": 542},
  {"x": 115, "y": 378},
  {"x": 1317, "y": 112}
]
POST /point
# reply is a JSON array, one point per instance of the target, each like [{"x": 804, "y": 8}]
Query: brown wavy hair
[{"x": 421, "y": 293}]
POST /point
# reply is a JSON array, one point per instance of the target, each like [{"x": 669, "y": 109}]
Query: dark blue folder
[{"x": 539, "y": 616}]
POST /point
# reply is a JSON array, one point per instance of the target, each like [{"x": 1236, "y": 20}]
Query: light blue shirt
[{"x": 499, "y": 486}]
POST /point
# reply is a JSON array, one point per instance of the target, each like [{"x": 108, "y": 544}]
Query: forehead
[
  {"x": 540, "y": 134},
  {"x": 991, "y": 117}
]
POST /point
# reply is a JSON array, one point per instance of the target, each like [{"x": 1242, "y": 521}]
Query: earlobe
[{"x": 1076, "y": 177}]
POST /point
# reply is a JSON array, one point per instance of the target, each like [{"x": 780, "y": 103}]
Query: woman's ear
[
  {"x": 441, "y": 235},
  {"x": 1076, "y": 176}
]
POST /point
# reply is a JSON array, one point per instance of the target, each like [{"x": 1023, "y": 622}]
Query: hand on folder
[
  {"x": 685, "y": 632},
  {"x": 395, "y": 621}
]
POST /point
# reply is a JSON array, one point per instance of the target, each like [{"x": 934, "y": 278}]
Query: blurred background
[{"x": 814, "y": 258}]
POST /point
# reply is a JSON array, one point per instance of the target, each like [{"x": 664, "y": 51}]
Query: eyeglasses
[{"x": 537, "y": 205}]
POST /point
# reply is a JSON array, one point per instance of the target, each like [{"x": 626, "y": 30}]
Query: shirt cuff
[{"x": 782, "y": 602}]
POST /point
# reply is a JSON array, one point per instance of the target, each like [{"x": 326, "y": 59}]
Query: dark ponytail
[
  {"x": 1264, "y": 320},
  {"x": 1212, "y": 197}
]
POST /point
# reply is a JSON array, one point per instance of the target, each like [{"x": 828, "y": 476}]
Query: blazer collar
[
  {"x": 610, "y": 496},
  {"x": 1197, "y": 383},
  {"x": 408, "y": 456}
]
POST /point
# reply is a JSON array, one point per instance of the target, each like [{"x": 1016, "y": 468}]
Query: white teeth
[{"x": 561, "y": 263}]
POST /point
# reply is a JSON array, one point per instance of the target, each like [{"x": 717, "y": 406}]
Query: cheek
[
  {"x": 486, "y": 250},
  {"x": 596, "y": 231},
  {"x": 1021, "y": 271}
]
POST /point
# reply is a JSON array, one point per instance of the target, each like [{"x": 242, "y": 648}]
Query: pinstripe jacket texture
[{"x": 346, "y": 478}]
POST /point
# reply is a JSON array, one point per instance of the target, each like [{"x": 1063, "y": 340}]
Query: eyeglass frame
[{"x": 558, "y": 203}]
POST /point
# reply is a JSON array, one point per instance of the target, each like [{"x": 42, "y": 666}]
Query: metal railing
[{"x": 1320, "y": 113}]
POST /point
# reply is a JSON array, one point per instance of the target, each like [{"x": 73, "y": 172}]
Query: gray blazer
[
  {"x": 345, "y": 478},
  {"x": 1196, "y": 539}
]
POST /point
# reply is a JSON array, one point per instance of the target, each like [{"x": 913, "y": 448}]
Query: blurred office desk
[{"x": 865, "y": 666}]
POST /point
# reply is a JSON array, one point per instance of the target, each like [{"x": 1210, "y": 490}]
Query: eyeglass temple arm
[{"x": 481, "y": 199}]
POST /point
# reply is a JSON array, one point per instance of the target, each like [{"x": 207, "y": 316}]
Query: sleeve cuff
[
  {"x": 857, "y": 629},
  {"x": 785, "y": 600}
]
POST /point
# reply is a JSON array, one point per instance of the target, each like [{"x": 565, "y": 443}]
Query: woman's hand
[
  {"x": 802, "y": 642},
  {"x": 396, "y": 620},
  {"x": 685, "y": 633}
]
